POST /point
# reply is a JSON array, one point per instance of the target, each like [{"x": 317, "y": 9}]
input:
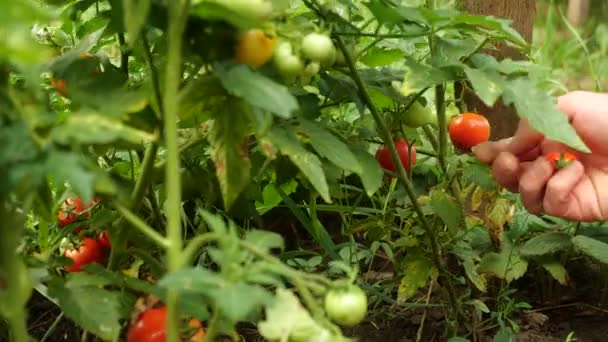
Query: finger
[
  {"x": 532, "y": 184},
  {"x": 506, "y": 171},
  {"x": 557, "y": 199},
  {"x": 488, "y": 151},
  {"x": 525, "y": 139}
]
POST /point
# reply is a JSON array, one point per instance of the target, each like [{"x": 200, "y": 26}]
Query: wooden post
[
  {"x": 578, "y": 11},
  {"x": 504, "y": 120}
]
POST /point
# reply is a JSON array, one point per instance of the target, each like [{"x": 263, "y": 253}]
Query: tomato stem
[{"x": 178, "y": 11}]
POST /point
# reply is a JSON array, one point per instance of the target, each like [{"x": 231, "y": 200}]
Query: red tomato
[
  {"x": 468, "y": 130},
  {"x": 103, "y": 239},
  {"x": 70, "y": 209},
  {"x": 383, "y": 156},
  {"x": 560, "y": 160},
  {"x": 60, "y": 85},
  {"x": 151, "y": 327},
  {"x": 89, "y": 252}
]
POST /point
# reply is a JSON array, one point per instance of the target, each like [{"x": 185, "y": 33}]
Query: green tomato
[
  {"x": 254, "y": 9},
  {"x": 346, "y": 306},
  {"x": 286, "y": 63},
  {"x": 319, "y": 48},
  {"x": 418, "y": 115}
]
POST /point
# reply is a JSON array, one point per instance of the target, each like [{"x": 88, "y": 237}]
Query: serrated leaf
[
  {"x": 592, "y": 247},
  {"x": 307, "y": 162},
  {"x": 508, "y": 264},
  {"x": 395, "y": 14},
  {"x": 77, "y": 303},
  {"x": 500, "y": 213},
  {"x": 96, "y": 129},
  {"x": 378, "y": 56},
  {"x": 447, "y": 209},
  {"x": 238, "y": 301},
  {"x": 478, "y": 280},
  {"x": 557, "y": 270},
  {"x": 371, "y": 173},
  {"x": 451, "y": 51},
  {"x": 229, "y": 138},
  {"x": 546, "y": 243},
  {"x": 258, "y": 90},
  {"x": 480, "y": 174},
  {"x": 420, "y": 76},
  {"x": 417, "y": 271},
  {"x": 487, "y": 85},
  {"x": 264, "y": 240},
  {"x": 285, "y": 316},
  {"x": 541, "y": 111},
  {"x": 330, "y": 147}
]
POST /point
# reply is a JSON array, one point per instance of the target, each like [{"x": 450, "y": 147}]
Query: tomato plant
[
  {"x": 468, "y": 130},
  {"x": 89, "y": 252},
  {"x": 384, "y": 158},
  {"x": 235, "y": 146},
  {"x": 560, "y": 160}
]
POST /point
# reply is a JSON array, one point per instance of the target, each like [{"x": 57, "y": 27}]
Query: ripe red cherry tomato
[
  {"x": 70, "y": 209},
  {"x": 89, "y": 252},
  {"x": 560, "y": 160},
  {"x": 151, "y": 327},
  {"x": 103, "y": 239},
  {"x": 383, "y": 156},
  {"x": 468, "y": 130}
]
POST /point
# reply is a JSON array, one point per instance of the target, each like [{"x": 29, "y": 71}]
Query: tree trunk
[
  {"x": 578, "y": 11},
  {"x": 504, "y": 120}
]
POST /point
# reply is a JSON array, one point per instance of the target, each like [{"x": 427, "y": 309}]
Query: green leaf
[
  {"x": 285, "y": 317},
  {"x": 557, "y": 270},
  {"x": 199, "y": 99},
  {"x": 378, "y": 56},
  {"x": 479, "y": 174},
  {"x": 508, "y": 264},
  {"x": 71, "y": 168},
  {"x": 450, "y": 51},
  {"x": 447, "y": 209},
  {"x": 546, "y": 243},
  {"x": 212, "y": 11},
  {"x": 258, "y": 90},
  {"x": 420, "y": 76},
  {"x": 93, "y": 308},
  {"x": 591, "y": 247},
  {"x": 487, "y": 85},
  {"x": 135, "y": 17},
  {"x": 458, "y": 339},
  {"x": 417, "y": 271},
  {"x": 470, "y": 270},
  {"x": 272, "y": 198},
  {"x": 18, "y": 18},
  {"x": 264, "y": 240},
  {"x": 192, "y": 279},
  {"x": 238, "y": 301},
  {"x": 371, "y": 173},
  {"x": 330, "y": 147},
  {"x": 500, "y": 28},
  {"x": 229, "y": 138},
  {"x": 505, "y": 66},
  {"x": 308, "y": 163},
  {"x": 395, "y": 14},
  {"x": 95, "y": 129},
  {"x": 541, "y": 111}
]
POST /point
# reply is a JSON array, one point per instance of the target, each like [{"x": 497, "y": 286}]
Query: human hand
[{"x": 578, "y": 192}]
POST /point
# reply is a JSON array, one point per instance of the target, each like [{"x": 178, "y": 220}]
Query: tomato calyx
[{"x": 560, "y": 160}]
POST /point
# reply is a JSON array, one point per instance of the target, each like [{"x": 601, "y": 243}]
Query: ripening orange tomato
[{"x": 255, "y": 48}]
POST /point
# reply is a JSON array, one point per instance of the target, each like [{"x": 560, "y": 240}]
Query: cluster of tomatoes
[
  {"x": 292, "y": 60},
  {"x": 91, "y": 250},
  {"x": 466, "y": 131}
]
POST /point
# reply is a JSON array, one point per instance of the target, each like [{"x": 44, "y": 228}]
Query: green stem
[
  {"x": 145, "y": 175},
  {"x": 173, "y": 75},
  {"x": 195, "y": 244},
  {"x": 441, "y": 121},
  {"x": 52, "y": 328},
  {"x": 143, "y": 227}
]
